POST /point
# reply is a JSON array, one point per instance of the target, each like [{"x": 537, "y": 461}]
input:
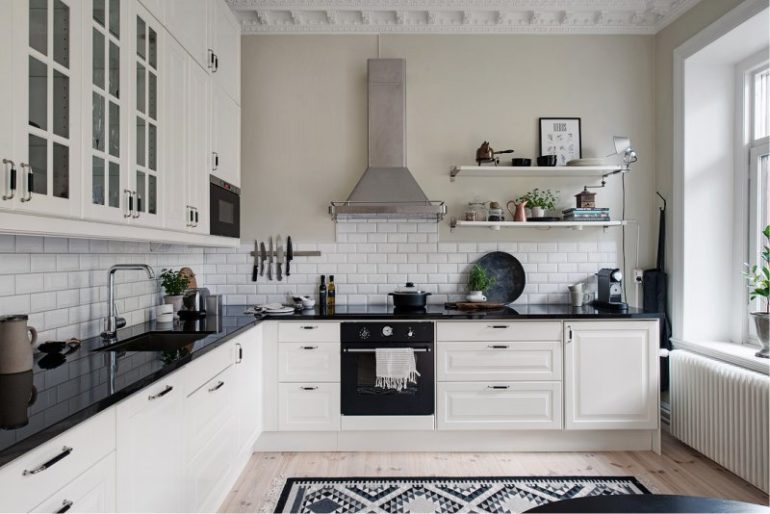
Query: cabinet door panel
[
  {"x": 309, "y": 407},
  {"x": 7, "y": 90},
  {"x": 93, "y": 491},
  {"x": 249, "y": 392},
  {"x": 225, "y": 137},
  {"x": 306, "y": 362},
  {"x": 225, "y": 42},
  {"x": 459, "y": 361},
  {"x": 187, "y": 22},
  {"x": 611, "y": 375},
  {"x": 198, "y": 153},
  {"x": 175, "y": 94}
]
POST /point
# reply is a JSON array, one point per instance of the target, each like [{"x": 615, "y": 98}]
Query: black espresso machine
[{"x": 609, "y": 289}]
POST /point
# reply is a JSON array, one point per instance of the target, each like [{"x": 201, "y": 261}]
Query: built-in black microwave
[{"x": 225, "y": 208}]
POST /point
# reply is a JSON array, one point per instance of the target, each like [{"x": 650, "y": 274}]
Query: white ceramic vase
[
  {"x": 476, "y": 296},
  {"x": 176, "y": 301},
  {"x": 762, "y": 324},
  {"x": 538, "y": 212}
]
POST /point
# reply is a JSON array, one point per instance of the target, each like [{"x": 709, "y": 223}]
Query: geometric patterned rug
[{"x": 443, "y": 494}]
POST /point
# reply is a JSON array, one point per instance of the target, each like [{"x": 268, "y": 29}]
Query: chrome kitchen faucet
[{"x": 113, "y": 322}]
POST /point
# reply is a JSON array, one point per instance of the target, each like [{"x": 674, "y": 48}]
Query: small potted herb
[
  {"x": 174, "y": 283},
  {"x": 539, "y": 201},
  {"x": 758, "y": 280},
  {"x": 478, "y": 282}
]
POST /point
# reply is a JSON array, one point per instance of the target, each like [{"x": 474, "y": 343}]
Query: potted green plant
[
  {"x": 478, "y": 282},
  {"x": 539, "y": 201},
  {"x": 174, "y": 283},
  {"x": 758, "y": 280}
]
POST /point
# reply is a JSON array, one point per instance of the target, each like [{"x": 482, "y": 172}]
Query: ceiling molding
[{"x": 457, "y": 16}]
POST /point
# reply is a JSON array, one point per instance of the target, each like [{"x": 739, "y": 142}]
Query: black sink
[{"x": 155, "y": 342}]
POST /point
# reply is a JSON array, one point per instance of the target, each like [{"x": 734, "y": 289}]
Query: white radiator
[{"x": 722, "y": 411}]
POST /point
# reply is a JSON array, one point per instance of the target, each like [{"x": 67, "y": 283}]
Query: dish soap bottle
[
  {"x": 322, "y": 294},
  {"x": 331, "y": 295}
]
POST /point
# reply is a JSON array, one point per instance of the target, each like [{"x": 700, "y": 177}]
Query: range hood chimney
[{"x": 387, "y": 188}]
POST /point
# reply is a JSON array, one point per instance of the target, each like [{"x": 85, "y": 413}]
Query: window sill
[{"x": 732, "y": 353}]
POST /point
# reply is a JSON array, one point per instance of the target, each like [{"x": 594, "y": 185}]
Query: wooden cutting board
[
  {"x": 187, "y": 272},
  {"x": 475, "y": 306}
]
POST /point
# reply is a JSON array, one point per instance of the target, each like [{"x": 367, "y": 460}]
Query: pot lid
[
  {"x": 14, "y": 317},
  {"x": 409, "y": 288}
]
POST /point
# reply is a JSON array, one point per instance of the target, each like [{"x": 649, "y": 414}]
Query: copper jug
[{"x": 520, "y": 214}]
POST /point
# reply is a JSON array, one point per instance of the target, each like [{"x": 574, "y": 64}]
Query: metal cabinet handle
[
  {"x": 129, "y": 203},
  {"x": 165, "y": 391},
  {"x": 65, "y": 506},
  {"x": 309, "y": 347},
  {"x": 308, "y": 388},
  {"x": 498, "y": 387},
  {"x": 497, "y": 326},
  {"x": 211, "y": 59},
  {"x": 498, "y": 346},
  {"x": 569, "y": 333},
  {"x": 239, "y": 359},
  {"x": 214, "y": 161},
  {"x": 26, "y": 177},
  {"x": 65, "y": 451},
  {"x": 309, "y": 327},
  {"x": 138, "y": 202},
  {"x": 216, "y": 387},
  {"x": 216, "y": 63},
  {"x": 195, "y": 211},
  {"x": 10, "y": 179}
]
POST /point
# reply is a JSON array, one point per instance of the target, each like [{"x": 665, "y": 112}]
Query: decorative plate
[{"x": 508, "y": 274}]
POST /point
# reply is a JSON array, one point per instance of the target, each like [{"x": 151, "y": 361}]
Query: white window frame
[{"x": 749, "y": 184}]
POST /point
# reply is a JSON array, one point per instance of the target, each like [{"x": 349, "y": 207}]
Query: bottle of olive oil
[
  {"x": 322, "y": 294},
  {"x": 331, "y": 295}
]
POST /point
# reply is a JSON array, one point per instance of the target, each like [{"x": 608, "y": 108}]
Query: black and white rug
[{"x": 443, "y": 494}]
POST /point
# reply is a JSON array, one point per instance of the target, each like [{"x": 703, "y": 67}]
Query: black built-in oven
[
  {"x": 225, "y": 208},
  {"x": 359, "y": 395}
]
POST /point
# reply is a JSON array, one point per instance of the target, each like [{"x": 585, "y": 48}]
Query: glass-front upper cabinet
[
  {"x": 146, "y": 175},
  {"x": 46, "y": 107},
  {"x": 106, "y": 162}
]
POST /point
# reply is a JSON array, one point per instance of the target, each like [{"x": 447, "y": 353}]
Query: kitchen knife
[
  {"x": 255, "y": 268},
  {"x": 279, "y": 257},
  {"x": 270, "y": 258},
  {"x": 262, "y": 257},
  {"x": 289, "y": 255}
]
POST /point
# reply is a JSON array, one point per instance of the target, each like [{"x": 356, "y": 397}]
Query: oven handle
[{"x": 372, "y": 350}]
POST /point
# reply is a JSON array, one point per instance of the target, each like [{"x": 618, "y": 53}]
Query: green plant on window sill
[{"x": 758, "y": 281}]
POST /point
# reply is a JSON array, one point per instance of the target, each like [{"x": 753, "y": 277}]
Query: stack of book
[{"x": 591, "y": 214}]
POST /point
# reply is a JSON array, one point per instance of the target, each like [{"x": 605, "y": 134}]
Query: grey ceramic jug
[{"x": 17, "y": 341}]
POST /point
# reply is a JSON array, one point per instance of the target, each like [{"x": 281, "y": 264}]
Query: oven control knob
[
  {"x": 364, "y": 333},
  {"x": 410, "y": 332},
  {"x": 387, "y": 331}
]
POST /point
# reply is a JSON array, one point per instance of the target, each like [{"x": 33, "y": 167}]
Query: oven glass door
[
  {"x": 360, "y": 397},
  {"x": 225, "y": 209}
]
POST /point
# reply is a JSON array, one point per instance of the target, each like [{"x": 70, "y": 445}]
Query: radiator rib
[{"x": 722, "y": 411}]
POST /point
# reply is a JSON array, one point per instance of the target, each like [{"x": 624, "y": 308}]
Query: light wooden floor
[{"x": 680, "y": 470}]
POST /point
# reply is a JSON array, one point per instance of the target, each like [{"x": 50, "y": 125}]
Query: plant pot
[
  {"x": 762, "y": 325},
  {"x": 176, "y": 301},
  {"x": 476, "y": 296},
  {"x": 538, "y": 212}
]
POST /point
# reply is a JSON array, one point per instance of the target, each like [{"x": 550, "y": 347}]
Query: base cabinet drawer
[
  {"x": 499, "y": 405},
  {"x": 499, "y": 361},
  {"x": 499, "y": 331},
  {"x": 93, "y": 491},
  {"x": 41, "y": 472},
  {"x": 309, "y": 362},
  {"x": 292, "y": 332},
  {"x": 308, "y": 407}
]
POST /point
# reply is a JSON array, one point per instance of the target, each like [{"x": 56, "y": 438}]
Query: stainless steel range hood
[{"x": 387, "y": 188}]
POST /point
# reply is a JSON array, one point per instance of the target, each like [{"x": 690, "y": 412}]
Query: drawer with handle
[
  {"x": 310, "y": 332},
  {"x": 471, "y": 361},
  {"x": 93, "y": 491},
  {"x": 499, "y": 331},
  {"x": 309, "y": 362},
  {"x": 499, "y": 405},
  {"x": 309, "y": 407},
  {"x": 49, "y": 467}
]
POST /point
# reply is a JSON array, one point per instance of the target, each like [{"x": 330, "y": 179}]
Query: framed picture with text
[{"x": 560, "y": 137}]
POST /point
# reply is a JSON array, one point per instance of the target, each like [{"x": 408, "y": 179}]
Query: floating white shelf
[
  {"x": 532, "y": 171},
  {"x": 497, "y": 225}
]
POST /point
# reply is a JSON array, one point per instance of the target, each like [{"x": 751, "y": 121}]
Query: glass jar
[{"x": 477, "y": 211}]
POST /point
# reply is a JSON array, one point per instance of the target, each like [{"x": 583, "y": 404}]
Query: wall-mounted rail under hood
[{"x": 387, "y": 187}]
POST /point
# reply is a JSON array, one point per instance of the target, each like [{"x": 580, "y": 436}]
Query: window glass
[{"x": 761, "y": 106}]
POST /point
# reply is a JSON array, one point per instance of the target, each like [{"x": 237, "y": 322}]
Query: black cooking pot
[{"x": 409, "y": 297}]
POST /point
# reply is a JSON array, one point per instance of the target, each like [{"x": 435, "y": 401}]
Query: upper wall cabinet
[
  {"x": 225, "y": 49},
  {"x": 43, "y": 159},
  {"x": 187, "y": 21}
]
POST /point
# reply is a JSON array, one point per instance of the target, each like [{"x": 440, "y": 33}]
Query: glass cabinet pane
[
  {"x": 140, "y": 87},
  {"x": 115, "y": 18},
  {"x": 152, "y": 93},
  {"x": 61, "y": 171},
  {"x": 141, "y": 38},
  {"x": 140, "y": 196},
  {"x": 114, "y": 130},
  {"x": 61, "y": 104},
  {"x": 114, "y": 194},
  {"x": 97, "y": 65},
  {"x": 98, "y": 12},
  {"x": 97, "y": 181},
  {"x": 114, "y": 70},
  {"x": 97, "y": 121},
  {"x": 152, "y": 147},
  {"x": 61, "y": 33},
  {"x": 152, "y": 194},
  {"x": 38, "y": 25},
  {"x": 38, "y": 161},
  {"x": 153, "y": 49},
  {"x": 140, "y": 142},
  {"x": 38, "y": 94}
]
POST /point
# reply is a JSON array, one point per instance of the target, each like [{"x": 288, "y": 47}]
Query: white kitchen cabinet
[
  {"x": 187, "y": 21},
  {"x": 308, "y": 407},
  {"x": 496, "y": 330},
  {"x": 7, "y": 89},
  {"x": 309, "y": 362},
  {"x": 611, "y": 375},
  {"x": 489, "y": 361},
  {"x": 150, "y": 442},
  {"x": 308, "y": 332},
  {"x": 93, "y": 491},
  {"x": 499, "y": 405},
  {"x": 224, "y": 59},
  {"x": 156, "y": 8},
  {"x": 248, "y": 380},
  {"x": 225, "y": 137},
  {"x": 43, "y": 54}
]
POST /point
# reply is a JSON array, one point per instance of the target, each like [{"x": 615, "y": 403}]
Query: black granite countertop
[
  {"x": 438, "y": 312},
  {"x": 74, "y": 385}
]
